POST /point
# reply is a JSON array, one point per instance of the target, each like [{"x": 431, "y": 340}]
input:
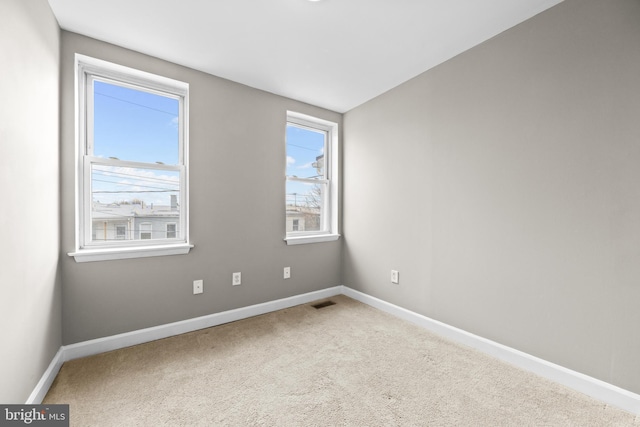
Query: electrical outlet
[
  {"x": 236, "y": 279},
  {"x": 198, "y": 286},
  {"x": 287, "y": 272},
  {"x": 395, "y": 276}
]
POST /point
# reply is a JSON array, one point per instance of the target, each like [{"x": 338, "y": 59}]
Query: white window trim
[
  {"x": 332, "y": 177},
  {"x": 107, "y": 254},
  {"x": 318, "y": 238},
  {"x": 88, "y": 68}
]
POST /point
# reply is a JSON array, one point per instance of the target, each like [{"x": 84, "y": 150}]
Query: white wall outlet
[
  {"x": 287, "y": 272},
  {"x": 395, "y": 276},
  {"x": 198, "y": 286},
  {"x": 236, "y": 279}
]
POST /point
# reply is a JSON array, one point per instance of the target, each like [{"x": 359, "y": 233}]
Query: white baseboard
[
  {"x": 585, "y": 384},
  {"x": 41, "y": 389},
  {"x": 115, "y": 342},
  {"x": 590, "y": 386}
]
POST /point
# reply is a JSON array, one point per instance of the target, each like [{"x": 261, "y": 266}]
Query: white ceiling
[{"x": 335, "y": 54}]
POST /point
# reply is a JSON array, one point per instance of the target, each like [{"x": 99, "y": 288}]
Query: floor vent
[{"x": 323, "y": 304}]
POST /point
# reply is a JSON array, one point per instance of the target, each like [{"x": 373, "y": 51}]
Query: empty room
[{"x": 320, "y": 212}]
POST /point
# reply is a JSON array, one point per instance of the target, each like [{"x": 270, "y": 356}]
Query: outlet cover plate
[
  {"x": 287, "y": 272},
  {"x": 395, "y": 276},
  {"x": 236, "y": 279},
  {"x": 198, "y": 286}
]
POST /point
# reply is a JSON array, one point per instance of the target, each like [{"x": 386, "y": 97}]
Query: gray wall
[
  {"x": 237, "y": 218},
  {"x": 30, "y": 303},
  {"x": 504, "y": 185}
]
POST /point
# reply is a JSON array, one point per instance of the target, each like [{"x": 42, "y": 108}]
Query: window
[
  {"x": 145, "y": 231},
  {"x": 132, "y": 131},
  {"x": 171, "y": 231},
  {"x": 311, "y": 179}
]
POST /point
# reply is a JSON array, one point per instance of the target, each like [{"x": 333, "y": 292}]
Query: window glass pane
[
  {"x": 145, "y": 231},
  {"x": 305, "y": 152},
  {"x": 304, "y": 203},
  {"x": 171, "y": 231},
  {"x": 134, "y": 125},
  {"x": 133, "y": 203}
]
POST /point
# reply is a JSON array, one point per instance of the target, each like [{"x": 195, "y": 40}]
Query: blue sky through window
[
  {"x": 139, "y": 126},
  {"x": 135, "y": 125},
  {"x": 304, "y": 150},
  {"x": 305, "y": 159}
]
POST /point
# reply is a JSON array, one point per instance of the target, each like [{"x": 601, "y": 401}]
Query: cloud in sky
[
  {"x": 305, "y": 166},
  {"x": 290, "y": 160},
  {"x": 175, "y": 122}
]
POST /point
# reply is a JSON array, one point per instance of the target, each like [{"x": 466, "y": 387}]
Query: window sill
[
  {"x": 303, "y": 240},
  {"x": 107, "y": 254}
]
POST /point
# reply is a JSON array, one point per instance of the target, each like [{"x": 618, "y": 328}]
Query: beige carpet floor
[{"x": 346, "y": 364}]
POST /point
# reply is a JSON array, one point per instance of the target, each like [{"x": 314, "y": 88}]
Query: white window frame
[
  {"x": 330, "y": 203},
  {"x": 88, "y": 70}
]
